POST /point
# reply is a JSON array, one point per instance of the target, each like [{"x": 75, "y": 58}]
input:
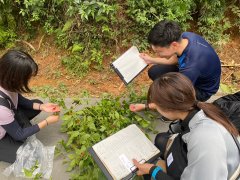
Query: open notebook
[
  {"x": 129, "y": 65},
  {"x": 114, "y": 154}
]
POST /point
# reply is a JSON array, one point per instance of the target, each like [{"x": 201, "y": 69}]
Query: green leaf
[
  {"x": 102, "y": 129},
  {"x": 77, "y": 48},
  {"x": 73, "y": 135},
  {"x": 67, "y": 25},
  {"x": 144, "y": 123},
  {"x": 117, "y": 115},
  {"x": 225, "y": 88},
  {"x": 27, "y": 173},
  {"x": 92, "y": 126}
]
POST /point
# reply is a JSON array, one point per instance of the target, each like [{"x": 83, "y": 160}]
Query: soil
[{"x": 52, "y": 72}]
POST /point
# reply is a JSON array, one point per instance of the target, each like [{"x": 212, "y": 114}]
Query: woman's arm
[
  {"x": 19, "y": 134},
  {"x": 28, "y": 104}
]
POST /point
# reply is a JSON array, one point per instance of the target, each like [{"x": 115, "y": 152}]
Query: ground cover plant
[{"x": 91, "y": 124}]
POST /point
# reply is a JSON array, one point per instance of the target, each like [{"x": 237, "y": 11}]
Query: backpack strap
[
  {"x": 5, "y": 103},
  {"x": 185, "y": 123},
  {"x": 6, "y": 97}
]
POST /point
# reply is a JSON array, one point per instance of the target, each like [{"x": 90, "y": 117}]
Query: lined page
[
  {"x": 117, "y": 151},
  {"x": 130, "y": 64}
]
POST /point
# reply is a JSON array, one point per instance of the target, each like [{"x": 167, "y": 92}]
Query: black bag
[
  {"x": 176, "y": 156},
  {"x": 230, "y": 105}
]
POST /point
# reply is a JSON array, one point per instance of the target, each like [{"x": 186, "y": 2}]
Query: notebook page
[
  {"x": 117, "y": 151},
  {"x": 130, "y": 64}
]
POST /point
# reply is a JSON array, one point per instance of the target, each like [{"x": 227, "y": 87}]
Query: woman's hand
[
  {"x": 137, "y": 107},
  {"x": 140, "y": 107},
  {"x": 142, "y": 168},
  {"x": 49, "y": 107},
  {"x": 52, "y": 119},
  {"x": 49, "y": 120}
]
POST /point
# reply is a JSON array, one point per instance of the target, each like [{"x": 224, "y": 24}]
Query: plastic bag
[
  {"x": 30, "y": 154},
  {"x": 230, "y": 105}
]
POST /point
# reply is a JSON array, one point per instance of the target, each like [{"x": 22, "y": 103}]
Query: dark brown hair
[
  {"x": 16, "y": 69},
  {"x": 174, "y": 91}
]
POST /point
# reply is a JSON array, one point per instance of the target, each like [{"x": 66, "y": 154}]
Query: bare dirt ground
[{"x": 52, "y": 72}]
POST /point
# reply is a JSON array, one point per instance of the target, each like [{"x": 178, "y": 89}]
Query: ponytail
[
  {"x": 175, "y": 92},
  {"x": 217, "y": 115}
]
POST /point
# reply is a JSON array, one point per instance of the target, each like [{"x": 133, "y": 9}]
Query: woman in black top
[{"x": 16, "y": 70}]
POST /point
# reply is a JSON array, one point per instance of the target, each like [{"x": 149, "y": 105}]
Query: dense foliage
[
  {"x": 88, "y": 122},
  {"x": 93, "y": 30}
]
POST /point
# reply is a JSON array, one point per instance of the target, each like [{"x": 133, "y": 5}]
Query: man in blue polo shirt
[{"x": 187, "y": 53}]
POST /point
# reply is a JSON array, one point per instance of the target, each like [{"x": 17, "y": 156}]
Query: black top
[{"x": 14, "y": 129}]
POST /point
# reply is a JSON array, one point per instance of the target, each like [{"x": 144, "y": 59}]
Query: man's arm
[{"x": 151, "y": 60}]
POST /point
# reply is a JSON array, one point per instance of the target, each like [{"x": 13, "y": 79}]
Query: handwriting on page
[{"x": 117, "y": 151}]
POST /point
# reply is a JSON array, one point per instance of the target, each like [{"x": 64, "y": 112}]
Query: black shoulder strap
[
  {"x": 5, "y": 103},
  {"x": 6, "y": 97},
  {"x": 237, "y": 143},
  {"x": 238, "y": 146},
  {"x": 185, "y": 122}
]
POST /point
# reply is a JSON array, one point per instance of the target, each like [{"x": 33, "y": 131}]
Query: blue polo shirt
[{"x": 200, "y": 63}]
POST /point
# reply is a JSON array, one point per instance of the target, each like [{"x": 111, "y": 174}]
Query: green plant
[
  {"x": 29, "y": 173},
  {"x": 87, "y": 32},
  {"x": 91, "y": 124},
  {"x": 212, "y": 21},
  {"x": 145, "y": 14},
  {"x": 236, "y": 11},
  {"x": 55, "y": 95},
  {"x": 95, "y": 30},
  {"x": 228, "y": 89},
  {"x": 7, "y": 24},
  {"x": 47, "y": 13}
]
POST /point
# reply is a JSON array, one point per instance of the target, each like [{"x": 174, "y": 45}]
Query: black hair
[
  {"x": 16, "y": 69},
  {"x": 164, "y": 33}
]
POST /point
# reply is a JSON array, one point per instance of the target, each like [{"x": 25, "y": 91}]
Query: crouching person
[
  {"x": 16, "y": 111},
  {"x": 206, "y": 149}
]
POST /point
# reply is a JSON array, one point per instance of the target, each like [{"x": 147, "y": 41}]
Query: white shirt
[{"x": 212, "y": 152}]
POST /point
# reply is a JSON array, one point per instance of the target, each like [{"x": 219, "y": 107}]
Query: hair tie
[{"x": 195, "y": 104}]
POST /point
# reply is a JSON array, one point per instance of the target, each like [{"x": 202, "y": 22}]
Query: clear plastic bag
[{"x": 30, "y": 153}]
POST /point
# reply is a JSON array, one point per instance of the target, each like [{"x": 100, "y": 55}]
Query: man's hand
[
  {"x": 158, "y": 60},
  {"x": 148, "y": 59},
  {"x": 142, "y": 168}
]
